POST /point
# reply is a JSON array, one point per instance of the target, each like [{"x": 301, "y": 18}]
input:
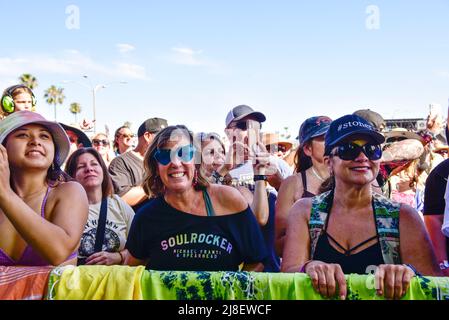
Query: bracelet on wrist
[
  {"x": 303, "y": 267},
  {"x": 122, "y": 257},
  {"x": 413, "y": 269},
  {"x": 444, "y": 265},
  {"x": 218, "y": 177},
  {"x": 259, "y": 177}
]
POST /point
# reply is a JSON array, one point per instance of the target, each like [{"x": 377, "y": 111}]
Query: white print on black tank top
[
  {"x": 111, "y": 241},
  {"x": 181, "y": 246}
]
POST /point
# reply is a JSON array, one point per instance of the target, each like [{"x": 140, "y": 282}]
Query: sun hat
[
  {"x": 401, "y": 133},
  {"x": 347, "y": 126},
  {"x": 21, "y": 118}
]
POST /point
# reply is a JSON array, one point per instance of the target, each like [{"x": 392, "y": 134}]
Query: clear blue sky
[{"x": 191, "y": 61}]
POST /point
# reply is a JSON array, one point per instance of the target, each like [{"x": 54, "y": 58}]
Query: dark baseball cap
[
  {"x": 373, "y": 117},
  {"x": 241, "y": 112},
  {"x": 313, "y": 127},
  {"x": 152, "y": 125},
  {"x": 347, "y": 126}
]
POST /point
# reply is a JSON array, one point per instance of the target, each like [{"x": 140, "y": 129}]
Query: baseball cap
[
  {"x": 243, "y": 111},
  {"x": 313, "y": 127},
  {"x": 82, "y": 137},
  {"x": 152, "y": 125},
  {"x": 372, "y": 117},
  {"x": 21, "y": 118},
  {"x": 347, "y": 126}
]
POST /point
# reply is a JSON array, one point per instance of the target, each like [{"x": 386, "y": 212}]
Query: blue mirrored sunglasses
[
  {"x": 350, "y": 151},
  {"x": 184, "y": 153}
]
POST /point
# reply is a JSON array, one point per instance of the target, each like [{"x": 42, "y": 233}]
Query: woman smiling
[
  {"x": 351, "y": 229},
  {"x": 191, "y": 224}
]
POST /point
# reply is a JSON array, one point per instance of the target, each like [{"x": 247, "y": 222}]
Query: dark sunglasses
[
  {"x": 97, "y": 142},
  {"x": 243, "y": 125},
  {"x": 127, "y": 136},
  {"x": 184, "y": 153},
  {"x": 350, "y": 151}
]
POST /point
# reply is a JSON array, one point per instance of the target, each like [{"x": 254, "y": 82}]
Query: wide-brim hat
[
  {"x": 402, "y": 133},
  {"x": 21, "y": 118},
  {"x": 82, "y": 137},
  {"x": 273, "y": 138}
]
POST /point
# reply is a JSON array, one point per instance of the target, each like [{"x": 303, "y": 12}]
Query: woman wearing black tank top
[
  {"x": 311, "y": 172},
  {"x": 343, "y": 230}
]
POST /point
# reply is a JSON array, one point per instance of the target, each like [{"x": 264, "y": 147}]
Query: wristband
[
  {"x": 303, "y": 267},
  {"x": 444, "y": 265},
  {"x": 258, "y": 177},
  {"x": 122, "y": 258},
  {"x": 413, "y": 269},
  {"x": 218, "y": 178}
]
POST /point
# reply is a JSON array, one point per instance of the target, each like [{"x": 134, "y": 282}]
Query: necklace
[{"x": 317, "y": 175}]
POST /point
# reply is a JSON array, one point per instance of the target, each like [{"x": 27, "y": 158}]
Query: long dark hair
[
  {"x": 72, "y": 162},
  {"x": 55, "y": 174},
  {"x": 152, "y": 183},
  {"x": 302, "y": 161}
]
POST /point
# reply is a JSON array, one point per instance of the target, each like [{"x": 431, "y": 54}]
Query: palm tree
[
  {"x": 29, "y": 80},
  {"x": 54, "y": 96},
  {"x": 75, "y": 108}
]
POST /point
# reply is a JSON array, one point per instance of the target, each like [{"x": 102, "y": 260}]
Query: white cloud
[
  {"x": 124, "y": 47},
  {"x": 132, "y": 71},
  {"x": 189, "y": 57},
  {"x": 444, "y": 74},
  {"x": 70, "y": 62}
]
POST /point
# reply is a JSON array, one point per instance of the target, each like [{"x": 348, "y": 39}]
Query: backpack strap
[
  {"x": 387, "y": 223},
  {"x": 318, "y": 217}
]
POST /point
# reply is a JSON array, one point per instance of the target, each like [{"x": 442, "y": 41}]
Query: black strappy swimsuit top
[{"x": 350, "y": 263}]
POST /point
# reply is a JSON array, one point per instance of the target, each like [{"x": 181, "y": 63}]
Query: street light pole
[
  {"x": 94, "y": 90},
  {"x": 94, "y": 97}
]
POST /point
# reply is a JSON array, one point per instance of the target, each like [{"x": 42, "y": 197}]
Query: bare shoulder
[
  {"x": 69, "y": 189},
  {"x": 291, "y": 182},
  {"x": 301, "y": 210},
  {"x": 228, "y": 199},
  {"x": 409, "y": 217}
]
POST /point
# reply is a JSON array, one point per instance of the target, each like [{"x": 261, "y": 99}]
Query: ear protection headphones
[{"x": 7, "y": 102}]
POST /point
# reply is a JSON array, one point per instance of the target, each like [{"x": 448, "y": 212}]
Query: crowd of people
[{"x": 348, "y": 196}]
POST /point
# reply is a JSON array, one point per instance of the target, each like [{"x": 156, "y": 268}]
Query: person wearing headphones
[{"x": 17, "y": 98}]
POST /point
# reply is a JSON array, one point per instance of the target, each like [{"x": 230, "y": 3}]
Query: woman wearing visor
[
  {"x": 351, "y": 229},
  {"x": 191, "y": 225}
]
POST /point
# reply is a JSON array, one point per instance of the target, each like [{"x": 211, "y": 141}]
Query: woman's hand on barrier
[
  {"x": 104, "y": 258},
  {"x": 327, "y": 279},
  {"x": 393, "y": 280}
]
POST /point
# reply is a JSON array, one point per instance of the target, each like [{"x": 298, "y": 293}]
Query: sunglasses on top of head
[
  {"x": 350, "y": 151},
  {"x": 184, "y": 153}
]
